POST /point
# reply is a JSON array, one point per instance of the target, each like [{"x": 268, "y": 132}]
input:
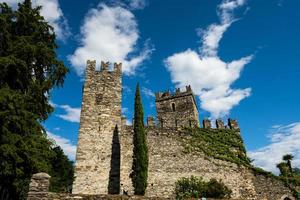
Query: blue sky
[{"x": 240, "y": 56}]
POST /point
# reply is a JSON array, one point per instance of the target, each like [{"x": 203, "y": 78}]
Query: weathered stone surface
[
  {"x": 100, "y": 113},
  {"x": 270, "y": 188},
  {"x": 150, "y": 121},
  {"x": 177, "y": 110},
  {"x": 219, "y": 124},
  {"x": 39, "y": 186},
  {"x": 104, "y": 158},
  {"x": 168, "y": 162},
  {"x": 206, "y": 123},
  {"x": 233, "y": 124}
]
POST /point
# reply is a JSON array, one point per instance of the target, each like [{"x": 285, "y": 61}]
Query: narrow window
[
  {"x": 173, "y": 107},
  {"x": 161, "y": 123},
  {"x": 190, "y": 123},
  {"x": 176, "y": 123}
]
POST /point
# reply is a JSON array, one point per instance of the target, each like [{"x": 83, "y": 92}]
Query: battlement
[
  {"x": 104, "y": 67},
  {"x": 231, "y": 124},
  {"x": 206, "y": 124},
  {"x": 160, "y": 96}
]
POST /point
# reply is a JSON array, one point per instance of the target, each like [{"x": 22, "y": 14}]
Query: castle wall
[
  {"x": 168, "y": 163},
  {"x": 100, "y": 113},
  {"x": 126, "y": 141},
  {"x": 269, "y": 188}
]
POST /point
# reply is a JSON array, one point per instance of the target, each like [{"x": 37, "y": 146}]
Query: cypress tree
[{"x": 140, "y": 149}]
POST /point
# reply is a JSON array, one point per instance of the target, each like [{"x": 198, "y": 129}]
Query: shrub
[{"x": 195, "y": 187}]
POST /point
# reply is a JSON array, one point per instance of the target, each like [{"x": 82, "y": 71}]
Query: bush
[{"x": 195, "y": 187}]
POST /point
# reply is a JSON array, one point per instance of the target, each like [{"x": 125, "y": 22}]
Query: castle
[{"x": 104, "y": 150}]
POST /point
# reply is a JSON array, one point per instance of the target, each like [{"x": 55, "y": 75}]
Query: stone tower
[
  {"x": 177, "y": 110},
  {"x": 100, "y": 113}
]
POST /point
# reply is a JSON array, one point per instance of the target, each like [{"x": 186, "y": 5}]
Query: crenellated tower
[
  {"x": 177, "y": 110},
  {"x": 100, "y": 113}
]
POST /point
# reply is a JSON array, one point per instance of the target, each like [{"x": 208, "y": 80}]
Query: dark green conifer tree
[
  {"x": 62, "y": 172},
  {"x": 29, "y": 69},
  {"x": 140, "y": 149}
]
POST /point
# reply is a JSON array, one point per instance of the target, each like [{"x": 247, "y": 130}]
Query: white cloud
[
  {"x": 109, "y": 34},
  {"x": 52, "y": 13},
  {"x": 66, "y": 145},
  {"x": 283, "y": 140},
  {"x": 138, "y": 4},
  {"x": 210, "y": 77},
  {"x": 147, "y": 92},
  {"x": 128, "y": 122},
  {"x": 71, "y": 114}
]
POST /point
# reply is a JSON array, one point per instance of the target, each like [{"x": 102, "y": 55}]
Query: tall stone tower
[
  {"x": 100, "y": 113},
  {"x": 177, "y": 110}
]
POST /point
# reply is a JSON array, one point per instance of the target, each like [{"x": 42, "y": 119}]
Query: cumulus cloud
[
  {"x": 283, "y": 140},
  {"x": 110, "y": 34},
  {"x": 52, "y": 13},
  {"x": 66, "y": 145},
  {"x": 210, "y": 77},
  {"x": 71, "y": 114}
]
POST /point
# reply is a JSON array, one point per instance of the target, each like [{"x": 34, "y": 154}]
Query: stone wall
[
  {"x": 177, "y": 110},
  {"x": 168, "y": 162},
  {"x": 100, "y": 113},
  {"x": 39, "y": 186},
  {"x": 269, "y": 188}
]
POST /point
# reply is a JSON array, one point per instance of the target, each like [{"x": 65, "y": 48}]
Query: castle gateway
[{"x": 105, "y": 149}]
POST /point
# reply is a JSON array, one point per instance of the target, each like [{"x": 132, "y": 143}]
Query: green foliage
[
  {"x": 194, "y": 187},
  {"x": 24, "y": 148},
  {"x": 284, "y": 169},
  {"x": 28, "y": 62},
  {"x": 140, "y": 150},
  {"x": 62, "y": 172},
  {"x": 223, "y": 144},
  {"x": 288, "y": 158},
  {"x": 29, "y": 70},
  {"x": 289, "y": 176}
]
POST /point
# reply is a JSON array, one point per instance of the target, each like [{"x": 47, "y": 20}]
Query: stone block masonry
[
  {"x": 177, "y": 110},
  {"x": 100, "y": 113},
  {"x": 39, "y": 186},
  {"x": 104, "y": 156}
]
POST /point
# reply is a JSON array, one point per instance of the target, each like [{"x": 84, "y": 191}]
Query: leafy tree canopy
[{"x": 29, "y": 69}]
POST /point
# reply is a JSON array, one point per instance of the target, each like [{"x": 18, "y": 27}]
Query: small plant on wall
[{"x": 196, "y": 187}]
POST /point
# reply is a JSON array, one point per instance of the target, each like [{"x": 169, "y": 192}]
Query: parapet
[
  {"x": 178, "y": 93},
  {"x": 206, "y": 123},
  {"x": 104, "y": 67},
  {"x": 232, "y": 124},
  {"x": 150, "y": 121},
  {"x": 220, "y": 124}
]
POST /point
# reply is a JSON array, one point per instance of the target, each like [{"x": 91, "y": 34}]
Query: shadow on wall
[{"x": 114, "y": 173}]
